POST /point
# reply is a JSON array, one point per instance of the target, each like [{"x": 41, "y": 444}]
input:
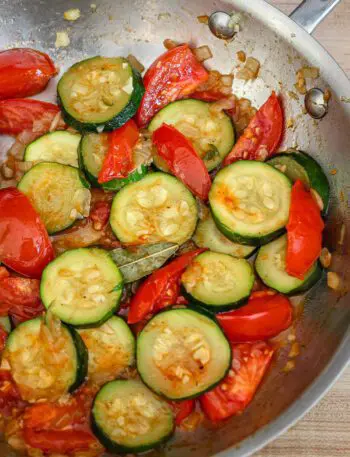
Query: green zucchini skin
[
  {"x": 316, "y": 178},
  {"x": 120, "y": 119},
  {"x": 134, "y": 176},
  {"x": 196, "y": 304},
  {"x": 82, "y": 359},
  {"x": 310, "y": 282}
]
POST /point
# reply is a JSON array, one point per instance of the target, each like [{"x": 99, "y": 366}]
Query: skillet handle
[{"x": 311, "y": 12}]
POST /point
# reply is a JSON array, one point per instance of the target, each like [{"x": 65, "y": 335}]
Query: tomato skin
[
  {"x": 20, "y": 298},
  {"x": 53, "y": 427},
  {"x": 24, "y": 72},
  {"x": 250, "y": 363},
  {"x": 153, "y": 294},
  {"x": 208, "y": 95},
  {"x": 266, "y": 314},
  {"x": 262, "y": 136},
  {"x": 119, "y": 161},
  {"x": 172, "y": 76},
  {"x": 182, "y": 159},
  {"x": 24, "y": 243},
  {"x": 304, "y": 232},
  {"x": 10, "y": 398},
  {"x": 19, "y": 114},
  {"x": 182, "y": 410}
]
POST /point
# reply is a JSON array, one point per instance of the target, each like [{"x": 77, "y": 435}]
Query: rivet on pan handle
[{"x": 311, "y": 12}]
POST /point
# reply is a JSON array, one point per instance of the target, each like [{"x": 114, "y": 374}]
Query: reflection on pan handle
[{"x": 311, "y": 12}]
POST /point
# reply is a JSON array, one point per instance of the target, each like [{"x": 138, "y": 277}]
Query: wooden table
[{"x": 324, "y": 431}]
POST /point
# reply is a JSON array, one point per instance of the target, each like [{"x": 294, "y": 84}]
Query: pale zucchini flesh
[
  {"x": 158, "y": 208},
  {"x": 82, "y": 287},
  {"x": 58, "y": 192}
]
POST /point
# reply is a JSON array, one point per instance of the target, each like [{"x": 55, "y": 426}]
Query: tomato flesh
[
  {"x": 24, "y": 243},
  {"x": 266, "y": 314},
  {"x": 263, "y": 134},
  {"x": 235, "y": 392},
  {"x": 182, "y": 409}
]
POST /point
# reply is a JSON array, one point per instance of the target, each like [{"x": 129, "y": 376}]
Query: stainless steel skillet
[{"x": 282, "y": 46}]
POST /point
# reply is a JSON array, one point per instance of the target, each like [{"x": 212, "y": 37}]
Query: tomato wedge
[
  {"x": 19, "y": 114},
  {"x": 20, "y": 298},
  {"x": 24, "y": 243},
  {"x": 61, "y": 428},
  {"x": 24, "y": 72},
  {"x": 182, "y": 159},
  {"x": 182, "y": 409},
  {"x": 10, "y": 399},
  {"x": 266, "y": 314},
  {"x": 263, "y": 134},
  {"x": 235, "y": 392},
  {"x": 160, "y": 289},
  {"x": 119, "y": 161},
  {"x": 172, "y": 76},
  {"x": 304, "y": 232}
]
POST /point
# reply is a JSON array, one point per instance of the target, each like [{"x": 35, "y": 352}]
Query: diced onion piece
[
  {"x": 202, "y": 53},
  {"x": 333, "y": 280},
  {"x": 309, "y": 72},
  {"x": 316, "y": 196},
  {"x": 325, "y": 258},
  {"x": 169, "y": 44},
  {"x": 227, "y": 80},
  {"x": 342, "y": 234},
  {"x": 225, "y": 103},
  {"x": 62, "y": 40},
  {"x": 135, "y": 63},
  {"x": 327, "y": 95},
  {"x": 253, "y": 65},
  {"x": 203, "y": 19},
  {"x": 72, "y": 14},
  {"x": 241, "y": 56}
]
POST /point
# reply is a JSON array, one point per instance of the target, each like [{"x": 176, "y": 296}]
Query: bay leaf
[{"x": 140, "y": 261}]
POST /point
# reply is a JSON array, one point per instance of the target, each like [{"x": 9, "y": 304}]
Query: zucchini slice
[
  {"x": 5, "y": 323},
  {"x": 250, "y": 202},
  {"x": 211, "y": 134},
  {"x": 207, "y": 235},
  {"x": 58, "y": 192},
  {"x": 157, "y": 208},
  {"x": 218, "y": 282},
  {"x": 92, "y": 151},
  {"x": 111, "y": 349},
  {"x": 82, "y": 287},
  {"x": 60, "y": 147},
  {"x": 100, "y": 93},
  {"x": 45, "y": 362},
  {"x": 182, "y": 353},
  {"x": 270, "y": 266},
  {"x": 127, "y": 417},
  {"x": 299, "y": 165}
]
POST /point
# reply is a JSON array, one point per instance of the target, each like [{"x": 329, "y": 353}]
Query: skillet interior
[{"x": 139, "y": 27}]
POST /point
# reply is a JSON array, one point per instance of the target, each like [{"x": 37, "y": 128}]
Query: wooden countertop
[{"x": 325, "y": 430}]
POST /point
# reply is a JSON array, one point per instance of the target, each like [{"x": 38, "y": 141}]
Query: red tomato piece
[
  {"x": 24, "y": 72},
  {"x": 182, "y": 410},
  {"x": 152, "y": 295},
  {"x": 266, "y": 314},
  {"x": 99, "y": 213},
  {"x": 19, "y": 114},
  {"x": 263, "y": 134},
  {"x": 182, "y": 159},
  {"x": 208, "y": 95},
  {"x": 119, "y": 161},
  {"x": 249, "y": 365},
  {"x": 20, "y": 298},
  {"x": 10, "y": 398},
  {"x": 304, "y": 232},
  {"x": 3, "y": 337},
  {"x": 64, "y": 428},
  {"x": 24, "y": 243},
  {"x": 172, "y": 76}
]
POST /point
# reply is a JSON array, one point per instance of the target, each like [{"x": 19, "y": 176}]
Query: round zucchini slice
[
  {"x": 111, "y": 349},
  {"x": 155, "y": 209},
  {"x": 46, "y": 362},
  {"x": 218, "y": 281},
  {"x": 207, "y": 235},
  {"x": 58, "y": 192},
  {"x": 60, "y": 147},
  {"x": 100, "y": 93},
  {"x": 250, "y": 202},
  {"x": 182, "y": 353},
  {"x": 211, "y": 134},
  {"x": 270, "y": 266},
  {"x": 92, "y": 151},
  {"x": 127, "y": 417},
  {"x": 299, "y": 165},
  {"x": 82, "y": 287}
]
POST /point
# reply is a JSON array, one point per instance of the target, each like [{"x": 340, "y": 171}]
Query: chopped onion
[
  {"x": 241, "y": 56},
  {"x": 203, "y": 19},
  {"x": 316, "y": 196},
  {"x": 225, "y": 103},
  {"x": 202, "y": 53},
  {"x": 72, "y": 14},
  {"x": 169, "y": 44},
  {"x": 227, "y": 80},
  {"x": 333, "y": 280},
  {"x": 55, "y": 121},
  {"x": 325, "y": 258},
  {"x": 250, "y": 70},
  {"x": 308, "y": 72},
  {"x": 135, "y": 63}
]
